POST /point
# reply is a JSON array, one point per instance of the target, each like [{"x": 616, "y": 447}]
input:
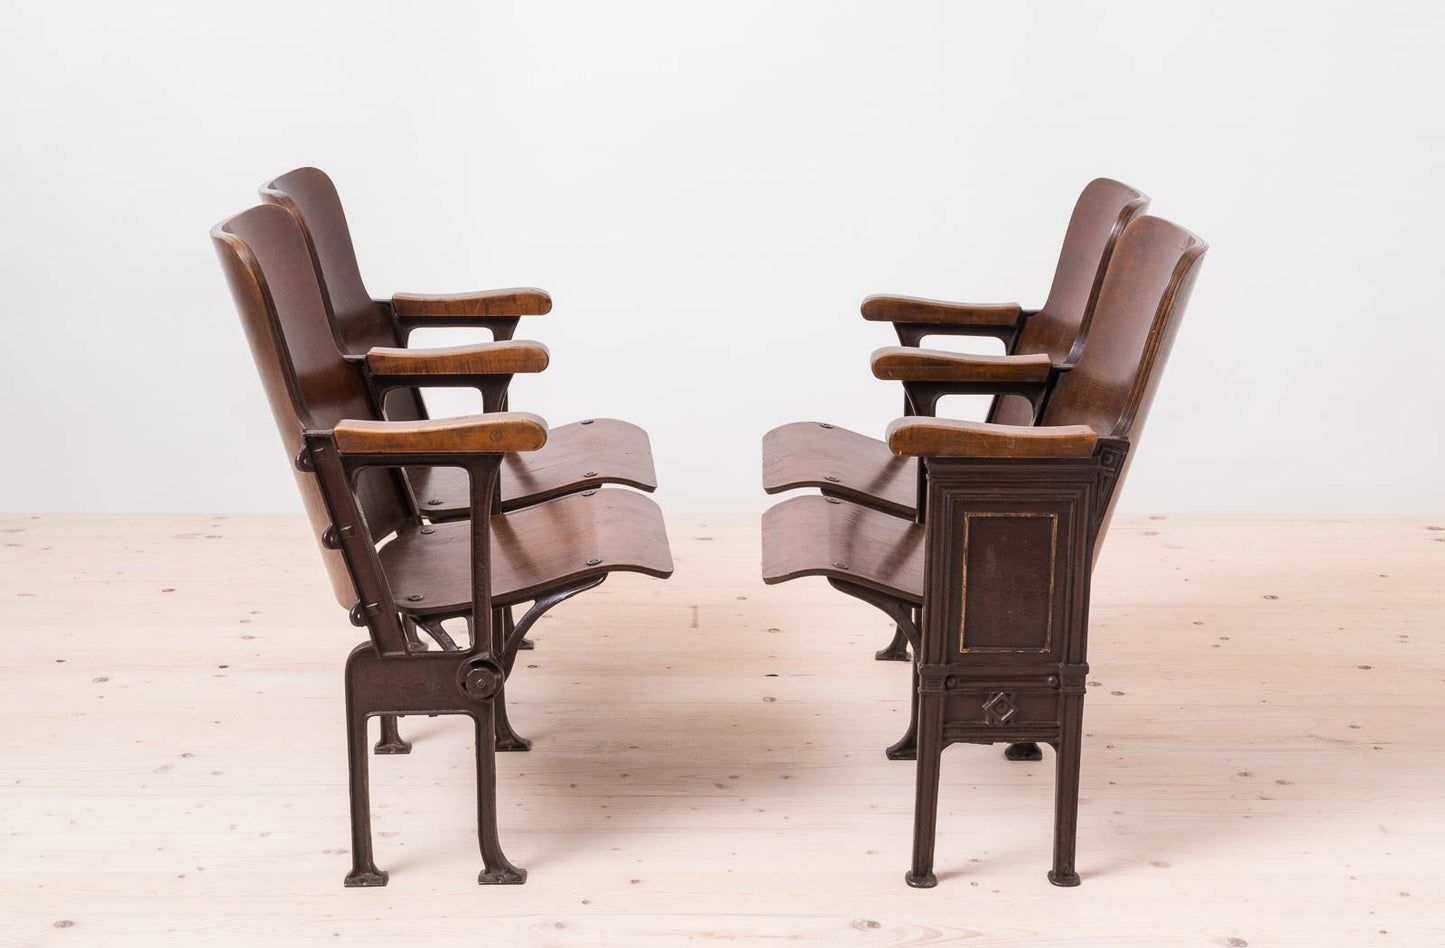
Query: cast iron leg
[
  {"x": 925, "y": 804},
  {"x": 1026, "y": 751},
  {"x": 363, "y": 866},
  {"x": 507, "y": 739},
  {"x": 907, "y": 746},
  {"x": 508, "y": 625},
  {"x": 390, "y": 741},
  {"x": 1066, "y": 791},
  {"x": 414, "y": 642},
  {"x": 496, "y": 869},
  {"x": 897, "y": 650}
]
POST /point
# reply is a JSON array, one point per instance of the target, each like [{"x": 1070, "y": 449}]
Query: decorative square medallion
[{"x": 999, "y": 708}]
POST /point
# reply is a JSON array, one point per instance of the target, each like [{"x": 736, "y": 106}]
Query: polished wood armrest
[
  {"x": 465, "y": 435},
  {"x": 908, "y": 364},
  {"x": 913, "y": 309},
  {"x": 947, "y": 437},
  {"x": 517, "y": 301},
  {"x": 486, "y": 358}
]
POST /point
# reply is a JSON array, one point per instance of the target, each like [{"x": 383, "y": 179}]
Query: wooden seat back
[
  {"x": 1140, "y": 302},
  {"x": 360, "y": 322},
  {"x": 1058, "y": 329},
  {"x": 308, "y": 383}
]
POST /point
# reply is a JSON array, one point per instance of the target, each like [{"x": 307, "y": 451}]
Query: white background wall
[{"x": 708, "y": 190}]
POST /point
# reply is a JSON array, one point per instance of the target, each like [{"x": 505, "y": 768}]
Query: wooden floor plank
[{"x": 1263, "y": 762}]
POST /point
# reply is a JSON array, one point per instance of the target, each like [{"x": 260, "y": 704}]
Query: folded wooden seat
[
  {"x": 859, "y": 546},
  {"x": 578, "y": 456},
  {"x": 562, "y": 541},
  {"x": 397, "y": 572},
  {"x": 991, "y": 589}
]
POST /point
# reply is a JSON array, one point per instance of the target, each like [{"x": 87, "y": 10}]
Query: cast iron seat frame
[{"x": 386, "y": 676}]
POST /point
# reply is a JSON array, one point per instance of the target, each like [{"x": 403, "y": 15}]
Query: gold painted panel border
[{"x": 1053, "y": 562}]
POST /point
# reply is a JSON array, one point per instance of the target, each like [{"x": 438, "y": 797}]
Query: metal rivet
[
  {"x": 589, "y": 493},
  {"x": 427, "y": 530},
  {"x": 434, "y": 503},
  {"x": 950, "y": 682},
  {"x": 840, "y": 565},
  {"x": 593, "y": 562},
  {"x": 588, "y": 421},
  {"x": 589, "y": 473},
  {"x": 832, "y": 500},
  {"x": 824, "y": 425},
  {"x": 415, "y": 597},
  {"x": 830, "y": 479}
]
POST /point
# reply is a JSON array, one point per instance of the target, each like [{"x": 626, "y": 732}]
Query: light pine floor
[{"x": 1263, "y": 764}]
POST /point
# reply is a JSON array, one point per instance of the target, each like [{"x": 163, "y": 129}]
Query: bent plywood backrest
[
  {"x": 310, "y": 194},
  {"x": 1140, "y": 303},
  {"x": 359, "y": 322},
  {"x": 308, "y": 383},
  {"x": 1104, "y": 209}
]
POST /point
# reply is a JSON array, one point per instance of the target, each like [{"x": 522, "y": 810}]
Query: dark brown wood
[
  {"x": 908, "y": 364},
  {"x": 493, "y": 433},
  {"x": 841, "y": 463},
  {"x": 822, "y": 536},
  {"x": 563, "y": 466},
  {"x": 364, "y": 325},
  {"x": 557, "y": 543},
  {"x": 518, "y": 301},
  {"x": 1016, "y": 518},
  {"x": 309, "y": 194},
  {"x": 1053, "y": 334},
  {"x": 913, "y": 309},
  {"x": 347, "y": 461},
  {"x": 481, "y": 358},
  {"x": 947, "y": 437}
]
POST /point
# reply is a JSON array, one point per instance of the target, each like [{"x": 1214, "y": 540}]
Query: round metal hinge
[
  {"x": 303, "y": 462},
  {"x": 482, "y": 678}
]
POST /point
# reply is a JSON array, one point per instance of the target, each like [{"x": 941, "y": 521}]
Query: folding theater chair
[
  {"x": 1000, "y": 569},
  {"x": 388, "y": 565},
  {"x": 843, "y": 463},
  {"x": 578, "y": 456}
]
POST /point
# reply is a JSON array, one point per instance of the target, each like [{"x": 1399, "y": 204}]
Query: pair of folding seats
[
  {"x": 978, "y": 539},
  {"x": 422, "y": 521}
]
